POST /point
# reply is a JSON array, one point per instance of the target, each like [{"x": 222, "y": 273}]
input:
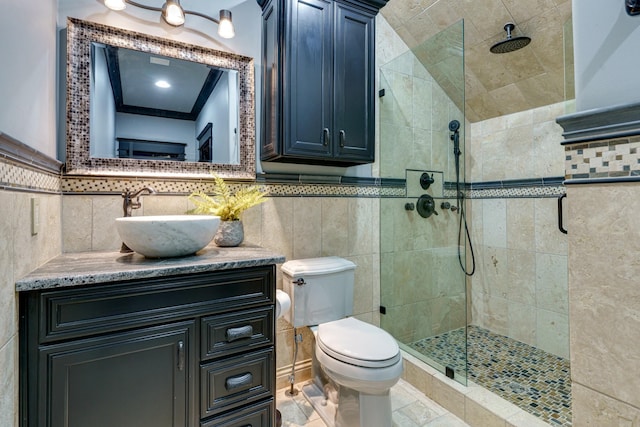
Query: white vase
[{"x": 230, "y": 233}]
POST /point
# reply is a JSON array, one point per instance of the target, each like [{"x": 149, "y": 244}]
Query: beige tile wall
[
  {"x": 604, "y": 242},
  {"x": 520, "y": 285},
  {"x": 297, "y": 227},
  {"x": 20, "y": 252},
  {"x": 415, "y": 112},
  {"x": 422, "y": 286}
]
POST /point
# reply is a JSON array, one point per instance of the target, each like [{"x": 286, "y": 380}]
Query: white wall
[
  {"x": 199, "y": 31},
  {"x": 28, "y": 73},
  {"x": 151, "y": 128},
  {"x": 102, "y": 123},
  {"x": 607, "y": 54},
  {"x": 216, "y": 111}
]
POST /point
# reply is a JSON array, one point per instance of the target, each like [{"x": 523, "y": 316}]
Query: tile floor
[
  {"x": 410, "y": 409},
  {"x": 536, "y": 381}
]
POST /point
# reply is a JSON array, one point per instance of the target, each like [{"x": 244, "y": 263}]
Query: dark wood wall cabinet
[
  {"x": 177, "y": 351},
  {"x": 318, "y": 81}
]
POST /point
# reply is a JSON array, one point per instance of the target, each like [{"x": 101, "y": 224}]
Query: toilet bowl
[{"x": 357, "y": 360}]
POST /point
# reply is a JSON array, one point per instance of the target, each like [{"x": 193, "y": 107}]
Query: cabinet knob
[
  {"x": 343, "y": 137},
  {"x": 326, "y": 137}
]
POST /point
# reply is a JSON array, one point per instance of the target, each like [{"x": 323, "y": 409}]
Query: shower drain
[{"x": 513, "y": 387}]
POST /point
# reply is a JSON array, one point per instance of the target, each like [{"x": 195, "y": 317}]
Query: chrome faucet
[
  {"x": 132, "y": 201},
  {"x": 129, "y": 203}
]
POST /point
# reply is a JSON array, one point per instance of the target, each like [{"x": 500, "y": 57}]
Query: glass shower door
[{"x": 423, "y": 290}]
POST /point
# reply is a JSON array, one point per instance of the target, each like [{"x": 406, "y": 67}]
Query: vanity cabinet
[
  {"x": 318, "y": 81},
  {"x": 185, "y": 350}
]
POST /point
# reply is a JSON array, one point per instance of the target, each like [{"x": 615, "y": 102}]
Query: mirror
[{"x": 120, "y": 123}]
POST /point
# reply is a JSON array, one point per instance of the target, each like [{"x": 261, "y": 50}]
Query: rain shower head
[{"x": 510, "y": 44}]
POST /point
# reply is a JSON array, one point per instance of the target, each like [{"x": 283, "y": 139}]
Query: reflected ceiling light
[
  {"x": 174, "y": 14},
  {"x": 163, "y": 84}
]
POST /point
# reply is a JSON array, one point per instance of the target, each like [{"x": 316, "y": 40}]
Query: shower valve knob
[
  {"x": 409, "y": 206},
  {"x": 426, "y": 206}
]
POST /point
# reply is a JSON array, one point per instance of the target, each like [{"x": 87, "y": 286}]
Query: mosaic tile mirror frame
[{"x": 80, "y": 36}]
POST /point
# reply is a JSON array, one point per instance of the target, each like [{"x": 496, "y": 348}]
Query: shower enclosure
[
  {"x": 423, "y": 292},
  {"x": 506, "y": 327}
]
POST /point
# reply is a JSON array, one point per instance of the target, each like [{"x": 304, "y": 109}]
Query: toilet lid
[{"x": 358, "y": 343}]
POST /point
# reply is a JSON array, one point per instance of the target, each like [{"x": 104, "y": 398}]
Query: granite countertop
[{"x": 87, "y": 268}]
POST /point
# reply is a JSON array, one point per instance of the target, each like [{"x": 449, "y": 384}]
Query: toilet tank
[{"x": 321, "y": 289}]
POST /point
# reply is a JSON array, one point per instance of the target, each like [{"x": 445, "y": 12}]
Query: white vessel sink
[{"x": 166, "y": 236}]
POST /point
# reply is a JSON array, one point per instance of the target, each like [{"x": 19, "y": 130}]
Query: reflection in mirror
[
  {"x": 148, "y": 106},
  {"x": 145, "y": 106}
]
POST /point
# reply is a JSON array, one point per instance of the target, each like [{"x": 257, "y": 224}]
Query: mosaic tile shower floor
[{"x": 532, "y": 379}]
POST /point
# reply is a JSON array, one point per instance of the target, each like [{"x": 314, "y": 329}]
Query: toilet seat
[{"x": 358, "y": 343}]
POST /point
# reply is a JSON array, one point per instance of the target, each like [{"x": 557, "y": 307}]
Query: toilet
[{"x": 355, "y": 363}]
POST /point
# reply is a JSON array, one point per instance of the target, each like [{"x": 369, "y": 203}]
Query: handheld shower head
[{"x": 454, "y": 128}]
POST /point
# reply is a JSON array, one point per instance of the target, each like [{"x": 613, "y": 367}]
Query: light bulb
[
  {"x": 115, "y": 4},
  {"x": 172, "y": 13},
  {"x": 225, "y": 27}
]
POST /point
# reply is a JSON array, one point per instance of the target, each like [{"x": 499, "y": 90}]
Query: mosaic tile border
[
  {"x": 518, "y": 188},
  {"x": 116, "y": 185},
  {"x": 23, "y": 168},
  {"x": 613, "y": 158},
  {"x": 80, "y": 35},
  {"x": 15, "y": 176},
  {"x": 515, "y": 193}
]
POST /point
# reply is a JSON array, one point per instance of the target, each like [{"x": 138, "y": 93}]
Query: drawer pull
[
  {"x": 238, "y": 381},
  {"x": 234, "y": 334}
]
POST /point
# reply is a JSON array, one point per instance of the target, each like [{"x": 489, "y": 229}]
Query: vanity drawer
[
  {"x": 226, "y": 334},
  {"x": 258, "y": 415},
  {"x": 74, "y": 312},
  {"x": 228, "y": 383}
]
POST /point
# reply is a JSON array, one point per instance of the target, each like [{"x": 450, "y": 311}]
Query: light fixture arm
[
  {"x": 225, "y": 26},
  {"x": 143, "y": 6},
  {"x": 201, "y": 15}
]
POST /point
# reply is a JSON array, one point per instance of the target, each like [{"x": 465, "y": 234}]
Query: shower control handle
[
  {"x": 447, "y": 205},
  {"x": 426, "y": 206},
  {"x": 426, "y": 180}
]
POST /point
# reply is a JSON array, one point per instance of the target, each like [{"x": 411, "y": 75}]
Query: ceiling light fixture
[{"x": 174, "y": 14}]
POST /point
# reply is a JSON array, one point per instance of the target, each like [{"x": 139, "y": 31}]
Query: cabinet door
[
  {"x": 130, "y": 379},
  {"x": 354, "y": 84},
  {"x": 307, "y": 90},
  {"x": 271, "y": 80}
]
